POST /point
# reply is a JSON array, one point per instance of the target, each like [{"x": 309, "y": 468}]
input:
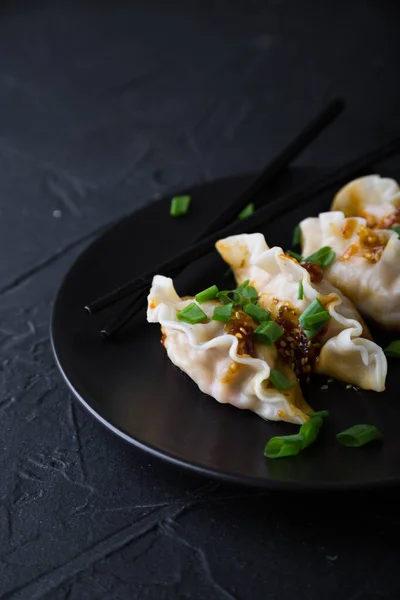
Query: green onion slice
[
  {"x": 249, "y": 294},
  {"x": 243, "y": 285},
  {"x": 295, "y": 255},
  {"x": 393, "y": 350},
  {"x": 319, "y": 413},
  {"x": 247, "y": 211},
  {"x": 223, "y": 313},
  {"x": 314, "y": 318},
  {"x": 268, "y": 332},
  {"x": 358, "y": 435},
  {"x": 208, "y": 294},
  {"x": 310, "y": 430},
  {"x": 279, "y": 380},
  {"x": 323, "y": 257},
  {"x": 192, "y": 314},
  {"x": 396, "y": 228},
  {"x": 300, "y": 293},
  {"x": 296, "y": 236},
  {"x": 285, "y": 445},
  {"x": 257, "y": 313},
  {"x": 180, "y": 206}
]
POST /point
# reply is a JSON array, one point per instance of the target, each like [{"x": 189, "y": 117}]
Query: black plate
[{"x": 131, "y": 386}]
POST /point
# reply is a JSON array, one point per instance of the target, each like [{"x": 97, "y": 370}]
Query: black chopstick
[
  {"x": 252, "y": 223},
  {"x": 271, "y": 171}
]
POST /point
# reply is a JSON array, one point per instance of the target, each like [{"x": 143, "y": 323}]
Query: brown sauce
[
  {"x": 370, "y": 246},
  {"x": 390, "y": 220},
  {"x": 315, "y": 271},
  {"x": 242, "y": 327},
  {"x": 297, "y": 350}
]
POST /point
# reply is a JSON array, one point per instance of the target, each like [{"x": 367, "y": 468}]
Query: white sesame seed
[
  {"x": 324, "y": 387},
  {"x": 348, "y": 386},
  {"x": 57, "y": 213}
]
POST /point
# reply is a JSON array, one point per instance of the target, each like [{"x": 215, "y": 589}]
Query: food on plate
[
  {"x": 214, "y": 343},
  {"x": 321, "y": 329},
  {"x": 375, "y": 198},
  {"x": 366, "y": 267}
]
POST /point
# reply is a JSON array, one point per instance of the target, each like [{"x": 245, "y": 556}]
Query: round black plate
[{"x": 130, "y": 385}]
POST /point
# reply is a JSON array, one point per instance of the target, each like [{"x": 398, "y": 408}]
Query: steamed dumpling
[
  {"x": 219, "y": 362},
  {"x": 367, "y": 263},
  {"x": 341, "y": 349},
  {"x": 375, "y": 198}
]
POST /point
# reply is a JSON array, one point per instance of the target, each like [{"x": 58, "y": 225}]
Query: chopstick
[
  {"x": 269, "y": 173},
  {"x": 252, "y": 223}
]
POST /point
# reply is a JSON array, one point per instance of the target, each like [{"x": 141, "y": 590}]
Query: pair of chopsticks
[{"x": 138, "y": 286}]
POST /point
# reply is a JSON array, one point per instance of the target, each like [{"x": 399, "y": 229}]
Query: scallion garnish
[
  {"x": 180, "y": 206},
  {"x": 243, "y": 285},
  {"x": 268, "y": 332},
  {"x": 310, "y": 429},
  {"x": 393, "y": 350},
  {"x": 300, "y": 293},
  {"x": 396, "y": 228},
  {"x": 257, "y": 313},
  {"x": 208, "y": 294},
  {"x": 323, "y": 257},
  {"x": 247, "y": 211},
  {"x": 296, "y": 236},
  {"x": 358, "y": 435},
  {"x": 249, "y": 294},
  {"x": 314, "y": 318},
  {"x": 295, "y": 255},
  {"x": 319, "y": 413},
  {"x": 223, "y": 313},
  {"x": 279, "y": 380},
  {"x": 192, "y": 314},
  {"x": 228, "y": 296},
  {"x": 285, "y": 445}
]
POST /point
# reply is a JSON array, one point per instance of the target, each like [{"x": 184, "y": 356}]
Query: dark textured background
[{"x": 103, "y": 108}]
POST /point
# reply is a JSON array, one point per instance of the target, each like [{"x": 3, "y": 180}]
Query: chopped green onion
[
  {"x": 268, "y": 332},
  {"x": 208, "y": 294},
  {"x": 310, "y": 430},
  {"x": 314, "y": 318},
  {"x": 249, "y": 294},
  {"x": 180, "y": 206},
  {"x": 243, "y": 285},
  {"x": 192, "y": 314},
  {"x": 323, "y": 257},
  {"x": 358, "y": 435},
  {"x": 257, "y": 313},
  {"x": 296, "y": 236},
  {"x": 223, "y": 313},
  {"x": 279, "y": 380},
  {"x": 396, "y": 228},
  {"x": 247, "y": 211},
  {"x": 285, "y": 445},
  {"x": 393, "y": 350},
  {"x": 300, "y": 293},
  {"x": 298, "y": 257},
  {"x": 319, "y": 413},
  {"x": 228, "y": 296}
]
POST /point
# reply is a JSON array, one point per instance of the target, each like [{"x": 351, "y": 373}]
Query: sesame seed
[
  {"x": 292, "y": 345},
  {"x": 303, "y": 360},
  {"x": 283, "y": 344},
  {"x": 242, "y": 330},
  {"x": 307, "y": 369},
  {"x": 348, "y": 386},
  {"x": 237, "y": 314},
  {"x": 324, "y": 387},
  {"x": 239, "y": 336},
  {"x": 290, "y": 339},
  {"x": 288, "y": 353},
  {"x": 330, "y": 380},
  {"x": 292, "y": 365}
]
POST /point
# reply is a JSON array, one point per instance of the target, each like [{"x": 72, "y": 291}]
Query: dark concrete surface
[{"x": 104, "y": 107}]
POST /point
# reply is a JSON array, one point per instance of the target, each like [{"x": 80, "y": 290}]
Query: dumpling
[
  {"x": 225, "y": 364},
  {"x": 341, "y": 348},
  {"x": 367, "y": 263},
  {"x": 375, "y": 198}
]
